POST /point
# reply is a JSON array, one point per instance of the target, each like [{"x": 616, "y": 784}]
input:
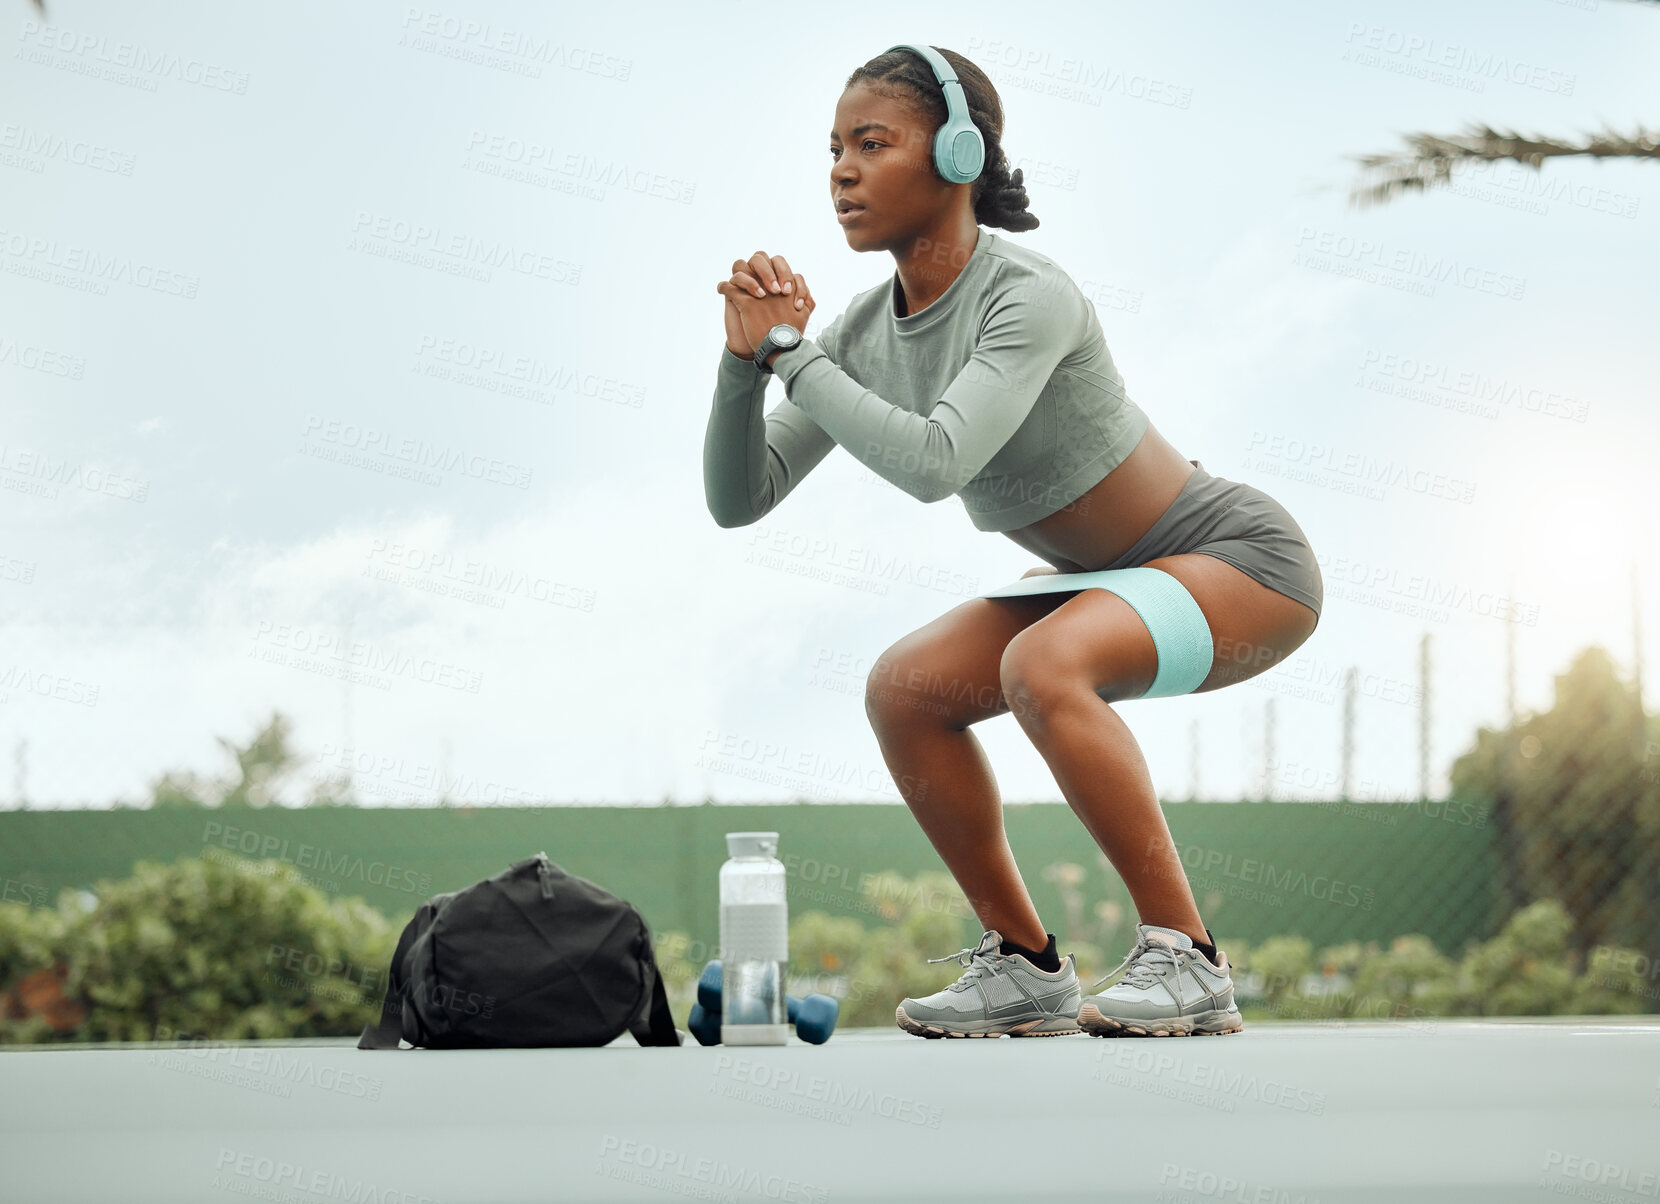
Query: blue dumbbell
[
  {"x": 708, "y": 988},
  {"x": 814, "y": 1017},
  {"x": 705, "y": 1025}
]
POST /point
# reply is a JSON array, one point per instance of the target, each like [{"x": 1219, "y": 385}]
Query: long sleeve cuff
[
  {"x": 787, "y": 366},
  {"x": 739, "y": 366}
]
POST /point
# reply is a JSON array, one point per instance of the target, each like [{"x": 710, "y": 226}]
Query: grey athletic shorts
[{"x": 1239, "y": 524}]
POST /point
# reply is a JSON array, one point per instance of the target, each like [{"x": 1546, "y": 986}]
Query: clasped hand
[{"x": 763, "y": 292}]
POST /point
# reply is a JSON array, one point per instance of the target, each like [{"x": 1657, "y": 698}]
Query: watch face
[{"x": 785, "y": 335}]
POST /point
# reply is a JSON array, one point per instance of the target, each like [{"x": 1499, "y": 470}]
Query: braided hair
[{"x": 999, "y": 196}]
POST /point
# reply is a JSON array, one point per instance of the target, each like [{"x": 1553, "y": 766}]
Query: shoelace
[
  {"x": 1142, "y": 974},
  {"x": 978, "y": 961}
]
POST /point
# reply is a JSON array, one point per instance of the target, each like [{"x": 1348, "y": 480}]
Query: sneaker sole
[
  {"x": 1204, "y": 1024},
  {"x": 1053, "y": 1026}
]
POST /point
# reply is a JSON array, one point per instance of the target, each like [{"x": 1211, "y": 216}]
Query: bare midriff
[{"x": 1106, "y": 520}]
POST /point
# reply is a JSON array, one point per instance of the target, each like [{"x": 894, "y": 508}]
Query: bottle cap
[{"x": 752, "y": 844}]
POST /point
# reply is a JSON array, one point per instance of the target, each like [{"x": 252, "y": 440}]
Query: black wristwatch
[{"x": 780, "y": 338}]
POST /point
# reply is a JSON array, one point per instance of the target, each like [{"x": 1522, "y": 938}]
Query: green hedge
[
  {"x": 208, "y": 949},
  {"x": 200, "y": 949}
]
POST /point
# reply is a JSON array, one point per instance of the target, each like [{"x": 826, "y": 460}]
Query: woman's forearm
[{"x": 751, "y": 462}]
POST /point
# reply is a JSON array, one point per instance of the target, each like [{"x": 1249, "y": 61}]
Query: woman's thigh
[
  {"x": 953, "y": 670},
  {"x": 1252, "y": 628},
  {"x": 947, "y": 671},
  {"x": 1097, "y": 639}
]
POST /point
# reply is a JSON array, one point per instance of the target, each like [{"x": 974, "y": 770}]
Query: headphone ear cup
[
  {"x": 968, "y": 152},
  {"x": 944, "y": 158},
  {"x": 959, "y": 152}
]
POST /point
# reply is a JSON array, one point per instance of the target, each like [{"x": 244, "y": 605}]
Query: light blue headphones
[{"x": 959, "y": 149}]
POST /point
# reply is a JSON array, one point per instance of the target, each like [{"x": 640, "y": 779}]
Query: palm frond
[{"x": 1430, "y": 159}]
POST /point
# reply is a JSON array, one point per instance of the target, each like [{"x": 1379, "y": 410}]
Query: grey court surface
[{"x": 1283, "y": 1113}]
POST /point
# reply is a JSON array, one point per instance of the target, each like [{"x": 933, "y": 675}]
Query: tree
[
  {"x": 1575, "y": 805},
  {"x": 263, "y": 766},
  {"x": 1430, "y": 159}
]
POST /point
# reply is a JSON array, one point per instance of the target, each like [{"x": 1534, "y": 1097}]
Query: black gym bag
[{"x": 532, "y": 957}]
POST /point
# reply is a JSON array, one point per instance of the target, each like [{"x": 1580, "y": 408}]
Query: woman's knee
[
  {"x": 1032, "y": 675},
  {"x": 896, "y": 689},
  {"x": 943, "y": 674},
  {"x": 1050, "y": 666}
]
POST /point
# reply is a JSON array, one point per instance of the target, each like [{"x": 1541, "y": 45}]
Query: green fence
[{"x": 1330, "y": 872}]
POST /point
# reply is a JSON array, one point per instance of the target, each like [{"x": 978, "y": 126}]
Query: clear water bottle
[{"x": 754, "y": 941}]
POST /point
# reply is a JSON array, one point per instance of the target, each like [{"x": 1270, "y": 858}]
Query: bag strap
[
  {"x": 654, "y": 1025},
  {"x": 386, "y": 1033}
]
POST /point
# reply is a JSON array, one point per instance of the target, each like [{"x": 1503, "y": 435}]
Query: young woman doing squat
[{"x": 979, "y": 370}]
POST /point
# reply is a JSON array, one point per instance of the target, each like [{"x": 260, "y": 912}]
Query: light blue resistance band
[{"x": 1181, "y": 636}]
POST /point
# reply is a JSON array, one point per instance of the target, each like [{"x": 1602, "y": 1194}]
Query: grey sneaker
[
  {"x": 999, "y": 993},
  {"x": 1169, "y": 990}
]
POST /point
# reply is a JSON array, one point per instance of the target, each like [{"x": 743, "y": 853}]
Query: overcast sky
[{"x": 359, "y": 336}]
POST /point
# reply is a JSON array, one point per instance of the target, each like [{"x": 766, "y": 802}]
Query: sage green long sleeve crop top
[{"x": 1002, "y": 391}]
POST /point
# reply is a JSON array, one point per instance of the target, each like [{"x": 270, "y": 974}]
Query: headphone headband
[{"x": 959, "y": 149}]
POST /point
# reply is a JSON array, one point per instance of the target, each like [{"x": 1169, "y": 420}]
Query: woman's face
[{"x": 880, "y": 160}]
